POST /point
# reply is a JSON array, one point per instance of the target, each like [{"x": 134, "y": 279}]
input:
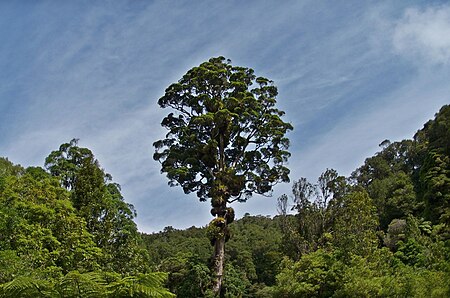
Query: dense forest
[{"x": 384, "y": 231}]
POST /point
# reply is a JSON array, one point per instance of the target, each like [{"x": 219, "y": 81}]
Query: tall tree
[
  {"x": 39, "y": 225},
  {"x": 317, "y": 206},
  {"x": 226, "y": 141},
  {"x": 390, "y": 178},
  {"x": 99, "y": 201}
]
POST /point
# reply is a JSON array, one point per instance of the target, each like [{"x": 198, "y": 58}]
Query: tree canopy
[{"x": 226, "y": 137}]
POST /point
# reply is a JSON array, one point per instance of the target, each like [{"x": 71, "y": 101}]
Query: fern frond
[
  {"x": 76, "y": 284},
  {"x": 26, "y": 287},
  {"x": 142, "y": 285}
]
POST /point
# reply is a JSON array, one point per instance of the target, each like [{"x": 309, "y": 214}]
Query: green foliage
[
  {"x": 363, "y": 278},
  {"x": 314, "y": 275},
  {"x": 251, "y": 251},
  {"x": 141, "y": 285},
  {"x": 214, "y": 229},
  {"x": 170, "y": 242},
  {"x": 224, "y": 130},
  {"x": 26, "y": 287},
  {"x": 11, "y": 265},
  {"x": 325, "y": 274},
  {"x": 354, "y": 228},
  {"x": 99, "y": 201},
  {"x": 252, "y": 259},
  {"x": 40, "y": 225},
  {"x": 188, "y": 276},
  {"x": 88, "y": 285},
  {"x": 399, "y": 196},
  {"x": 435, "y": 176},
  {"x": 235, "y": 282},
  {"x": 384, "y": 232},
  {"x": 51, "y": 248},
  {"x": 318, "y": 207},
  {"x": 7, "y": 168},
  {"x": 390, "y": 178},
  {"x": 75, "y": 284},
  {"x": 412, "y": 177}
]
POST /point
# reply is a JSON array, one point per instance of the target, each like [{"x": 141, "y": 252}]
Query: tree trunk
[{"x": 219, "y": 255}]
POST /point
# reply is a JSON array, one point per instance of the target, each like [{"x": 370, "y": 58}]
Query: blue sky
[{"x": 350, "y": 74}]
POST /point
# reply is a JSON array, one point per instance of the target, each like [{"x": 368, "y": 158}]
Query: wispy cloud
[
  {"x": 424, "y": 33},
  {"x": 95, "y": 72}
]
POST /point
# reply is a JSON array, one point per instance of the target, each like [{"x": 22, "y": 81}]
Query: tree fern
[
  {"x": 26, "y": 287},
  {"x": 142, "y": 285},
  {"x": 79, "y": 285},
  {"x": 90, "y": 285}
]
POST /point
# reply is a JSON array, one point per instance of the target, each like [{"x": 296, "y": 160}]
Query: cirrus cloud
[{"x": 424, "y": 34}]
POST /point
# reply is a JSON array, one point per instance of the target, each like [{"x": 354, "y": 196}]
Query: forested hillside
[
  {"x": 382, "y": 232},
  {"x": 253, "y": 257},
  {"x": 66, "y": 231}
]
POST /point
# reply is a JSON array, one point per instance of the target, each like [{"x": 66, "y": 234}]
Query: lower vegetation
[{"x": 384, "y": 231}]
